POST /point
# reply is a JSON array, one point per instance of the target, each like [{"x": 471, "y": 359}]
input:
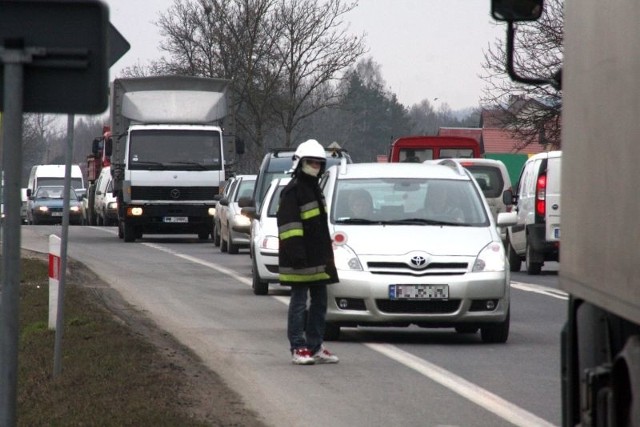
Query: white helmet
[{"x": 309, "y": 149}]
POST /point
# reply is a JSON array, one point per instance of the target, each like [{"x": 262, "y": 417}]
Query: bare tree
[
  {"x": 532, "y": 113},
  {"x": 314, "y": 48}
]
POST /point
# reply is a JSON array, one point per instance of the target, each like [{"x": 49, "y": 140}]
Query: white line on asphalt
[
  {"x": 464, "y": 388},
  {"x": 538, "y": 289},
  {"x": 470, "y": 391}
]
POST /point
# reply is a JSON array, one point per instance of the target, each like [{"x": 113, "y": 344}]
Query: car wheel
[
  {"x": 223, "y": 244},
  {"x": 466, "y": 329},
  {"x": 120, "y": 230},
  {"x": 232, "y": 247},
  {"x": 533, "y": 268},
  {"x": 331, "y": 332},
  {"x": 496, "y": 333},
  {"x": 515, "y": 263},
  {"x": 259, "y": 287},
  {"x": 216, "y": 235}
]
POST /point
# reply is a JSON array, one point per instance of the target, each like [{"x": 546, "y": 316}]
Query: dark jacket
[{"x": 306, "y": 252}]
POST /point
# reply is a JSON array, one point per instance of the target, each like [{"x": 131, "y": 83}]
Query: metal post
[
  {"x": 12, "y": 163},
  {"x": 57, "y": 352}
]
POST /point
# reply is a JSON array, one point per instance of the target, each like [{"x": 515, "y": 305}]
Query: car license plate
[
  {"x": 56, "y": 213},
  {"x": 418, "y": 291},
  {"x": 178, "y": 219}
]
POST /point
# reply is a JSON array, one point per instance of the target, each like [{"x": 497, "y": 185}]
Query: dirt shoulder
[{"x": 205, "y": 395}]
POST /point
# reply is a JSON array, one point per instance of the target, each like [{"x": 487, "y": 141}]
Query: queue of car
[{"x": 438, "y": 258}]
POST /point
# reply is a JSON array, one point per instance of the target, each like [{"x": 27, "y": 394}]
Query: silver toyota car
[{"x": 416, "y": 244}]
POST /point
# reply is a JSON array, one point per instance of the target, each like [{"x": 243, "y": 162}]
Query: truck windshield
[{"x": 179, "y": 149}]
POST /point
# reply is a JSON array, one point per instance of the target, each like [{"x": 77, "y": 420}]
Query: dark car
[{"x": 46, "y": 206}]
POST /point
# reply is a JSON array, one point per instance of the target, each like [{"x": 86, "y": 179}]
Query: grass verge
[{"x": 111, "y": 373}]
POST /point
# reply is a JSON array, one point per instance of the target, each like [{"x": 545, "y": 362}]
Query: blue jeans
[{"x": 311, "y": 334}]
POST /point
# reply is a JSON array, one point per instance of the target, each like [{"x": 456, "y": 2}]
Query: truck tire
[{"x": 129, "y": 232}]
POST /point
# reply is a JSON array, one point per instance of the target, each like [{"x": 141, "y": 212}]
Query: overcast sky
[{"x": 427, "y": 49}]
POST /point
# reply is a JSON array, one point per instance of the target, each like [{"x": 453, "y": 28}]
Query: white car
[
  {"x": 404, "y": 260},
  {"x": 233, "y": 227},
  {"x": 536, "y": 236},
  {"x": 264, "y": 232}
]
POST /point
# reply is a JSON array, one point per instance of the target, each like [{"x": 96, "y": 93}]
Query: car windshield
[
  {"x": 245, "y": 189},
  {"x": 408, "y": 201},
  {"x": 54, "y": 193}
]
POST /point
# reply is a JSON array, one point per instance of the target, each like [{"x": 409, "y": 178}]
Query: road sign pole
[{"x": 13, "y": 60}]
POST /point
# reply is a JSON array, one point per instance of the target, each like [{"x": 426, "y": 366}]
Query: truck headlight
[
  {"x": 212, "y": 211},
  {"x": 490, "y": 258},
  {"x": 346, "y": 258},
  {"x": 74, "y": 208},
  {"x": 43, "y": 209}
]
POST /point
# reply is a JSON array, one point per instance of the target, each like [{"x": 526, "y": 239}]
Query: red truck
[{"x": 417, "y": 149}]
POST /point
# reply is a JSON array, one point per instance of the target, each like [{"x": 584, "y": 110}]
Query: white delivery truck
[
  {"x": 599, "y": 263},
  {"x": 53, "y": 175},
  {"x": 167, "y": 153}
]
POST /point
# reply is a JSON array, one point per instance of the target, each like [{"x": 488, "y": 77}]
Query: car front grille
[
  {"x": 432, "y": 269},
  {"x": 418, "y": 307}
]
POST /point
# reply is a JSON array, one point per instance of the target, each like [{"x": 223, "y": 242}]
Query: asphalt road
[{"x": 400, "y": 376}]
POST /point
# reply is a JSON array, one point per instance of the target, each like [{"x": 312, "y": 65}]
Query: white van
[
  {"x": 53, "y": 175},
  {"x": 536, "y": 236},
  {"x": 105, "y": 204}
]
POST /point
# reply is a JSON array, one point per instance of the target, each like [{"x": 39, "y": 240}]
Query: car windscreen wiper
[
  {"x": 145, "y": 164},
  {"x": 196, "y": 164},
  {"x": 356, "y": 221},
  {"x": 423, "y": 221}
]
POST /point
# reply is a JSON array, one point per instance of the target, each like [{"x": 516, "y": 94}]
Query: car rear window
[{"x": 489, "y": 179}]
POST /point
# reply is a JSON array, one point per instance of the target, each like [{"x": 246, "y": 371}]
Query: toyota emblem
[
  {"x": 418, "y": 261},
  {"x": 175, "y": 193}
]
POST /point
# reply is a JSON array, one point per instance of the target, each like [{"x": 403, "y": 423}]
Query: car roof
[{"x": 399, "y": 170}]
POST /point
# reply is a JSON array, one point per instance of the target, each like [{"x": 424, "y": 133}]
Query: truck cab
[{"x": 418, "y": 148}]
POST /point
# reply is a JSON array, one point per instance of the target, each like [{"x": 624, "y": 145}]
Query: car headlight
[
  {"x": 346, "y": 258},
  {"x": 43, "y": 209},
  {"x": 269, "y": 242},
  {"x": 491, "y": 258},
  {"x": 112, "y": 205},
  {"x": 241, "y": 220},
  {"x": 74, "y": 208}
]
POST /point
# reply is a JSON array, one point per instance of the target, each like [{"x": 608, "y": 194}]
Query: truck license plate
[
  {"x": 419, "y": 292},
  {"x": 176, "y": 219},
  {"x": 556, "y": 233}
]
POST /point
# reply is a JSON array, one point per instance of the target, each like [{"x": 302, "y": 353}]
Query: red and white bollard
[{"x": 54, "y": 278}]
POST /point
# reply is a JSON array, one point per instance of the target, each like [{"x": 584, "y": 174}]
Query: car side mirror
[
  {"x": 507, "y": 197},
  {"x": 245, "y": 202},
  {"x": 249, "y": 212},
  {"x": 224, "y": 201}
]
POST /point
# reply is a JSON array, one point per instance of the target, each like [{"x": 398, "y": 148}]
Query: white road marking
[
  {"x": 538, "y": 289},
  {"x": 464, "y": 388},
  {"x": 470, "y": 391}
]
